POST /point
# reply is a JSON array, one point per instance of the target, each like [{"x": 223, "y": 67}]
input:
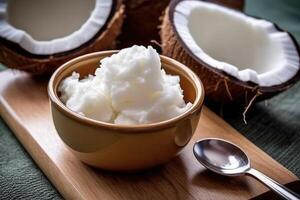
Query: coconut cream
[{"x": 129, "y": 87}]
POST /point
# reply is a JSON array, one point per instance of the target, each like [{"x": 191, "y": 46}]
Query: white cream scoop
[{"x": 129, "y": 88}]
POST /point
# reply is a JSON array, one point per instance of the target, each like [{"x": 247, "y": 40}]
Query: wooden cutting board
[{"x": 24, "y": 106}]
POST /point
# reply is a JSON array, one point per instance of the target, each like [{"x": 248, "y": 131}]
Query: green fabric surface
[
  {"x": 20, "y": 177},
  {"x": 275, "y": 127}
]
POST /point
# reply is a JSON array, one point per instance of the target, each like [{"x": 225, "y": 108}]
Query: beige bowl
[{"x": 122, "y": 147}]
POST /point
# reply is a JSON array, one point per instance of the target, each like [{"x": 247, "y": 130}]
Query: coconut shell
[
  {"x": 141, "y": 22},
  {"x": 220, "y": 87},
  {"x": 13, "y": 56}
]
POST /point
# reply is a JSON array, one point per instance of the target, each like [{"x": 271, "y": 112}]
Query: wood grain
[{"x": 24, "y": 106}]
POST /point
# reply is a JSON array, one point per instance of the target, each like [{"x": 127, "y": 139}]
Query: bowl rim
[{"x": 55, "y": 101}]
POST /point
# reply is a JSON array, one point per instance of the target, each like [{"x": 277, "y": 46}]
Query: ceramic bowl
[{"x": 124, "y": 147}]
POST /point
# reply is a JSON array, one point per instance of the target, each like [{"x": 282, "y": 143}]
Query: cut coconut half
[
  {"x": 141, "y": 25},
  {"x": 238, "y": 57},
  {"x": 35, "y": 35}
]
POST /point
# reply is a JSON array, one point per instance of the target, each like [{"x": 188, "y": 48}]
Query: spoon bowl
[
  {"x": 226, "y": 158},
  {"x": 221, "y": 157}
]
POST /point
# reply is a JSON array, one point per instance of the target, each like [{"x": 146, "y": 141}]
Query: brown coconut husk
[
  {"x": 14, "y": 56},
  {"x": 142, "y": 22},
  {"x": 220, "y": 87}
]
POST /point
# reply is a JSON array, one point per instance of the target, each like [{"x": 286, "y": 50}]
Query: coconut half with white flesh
[
  {"x": 239, "y": 58},
  {"x": 39, "y": 35},
  {"x": 143, "y": 18}
]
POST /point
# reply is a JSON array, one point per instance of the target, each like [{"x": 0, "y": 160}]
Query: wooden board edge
[{"x": 62, "y": 184}]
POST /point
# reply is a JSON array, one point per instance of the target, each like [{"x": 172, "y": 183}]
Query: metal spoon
[{"x": 227, "y": 159}]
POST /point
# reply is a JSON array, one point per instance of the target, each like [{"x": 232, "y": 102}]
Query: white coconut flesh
[
  {"x": 45, "y": 27},
  {"x": 247, "y": 48}
]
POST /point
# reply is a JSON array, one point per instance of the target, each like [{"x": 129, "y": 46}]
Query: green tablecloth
[{"x": 274, "y": 128}]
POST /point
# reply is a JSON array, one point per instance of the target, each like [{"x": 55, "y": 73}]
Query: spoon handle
[{"x": 273, "y": 185}]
